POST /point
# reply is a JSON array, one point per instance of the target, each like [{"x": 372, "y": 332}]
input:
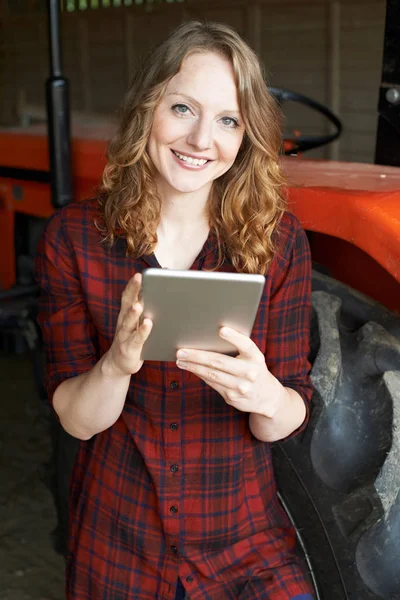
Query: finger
[
  {"x": 231, "y": 397},
  {"x": 245, "y": 346},
  {"x": 228, "y": 381},
  {"x": 130, "y": 320},
  {"x": 222, "y": 390},
  {"x": 141, "y": 334},
  {"x": 130, "y": 295},
  {"x": 219, "y": 362},
  {"x": 215, "y": 386}
]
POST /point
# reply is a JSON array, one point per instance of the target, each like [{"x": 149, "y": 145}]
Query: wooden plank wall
[
  {"x": 361, "y": 48},
  {"x": 330, "y": 50}
]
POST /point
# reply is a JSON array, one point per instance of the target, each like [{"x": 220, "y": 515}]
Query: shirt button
[
  {"x": 174, "y": 468},
  {"x": 174, "y": 549},
  {"x": 173, "y": 510},
  {"x": 173, "y": 426},
  {"x": 189, "y": 579},
  {"x": 174, "y": 385}
]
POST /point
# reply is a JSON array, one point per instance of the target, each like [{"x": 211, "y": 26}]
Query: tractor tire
[{"x": 339, "y": 481}]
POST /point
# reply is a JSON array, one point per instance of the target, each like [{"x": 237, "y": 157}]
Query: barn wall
[{"x": 330, "y": 50}]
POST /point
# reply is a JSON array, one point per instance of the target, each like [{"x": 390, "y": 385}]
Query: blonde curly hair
[{"x": 246, "y": 203}]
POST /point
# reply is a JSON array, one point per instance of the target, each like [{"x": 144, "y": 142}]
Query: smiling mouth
[{"x": 189, "y": 160}]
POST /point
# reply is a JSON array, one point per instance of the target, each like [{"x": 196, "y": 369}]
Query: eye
[
  {"x": 230, "y": 122},
  {"x": 181, "y": 109}
]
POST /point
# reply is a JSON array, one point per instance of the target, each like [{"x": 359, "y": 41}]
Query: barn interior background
[{"x": 329, "y": 50}]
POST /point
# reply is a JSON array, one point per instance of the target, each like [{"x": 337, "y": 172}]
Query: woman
[{"x": 173, "y": 490}]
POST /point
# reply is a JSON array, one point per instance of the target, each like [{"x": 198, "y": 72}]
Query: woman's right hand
[{"x": 123, "y": 357}]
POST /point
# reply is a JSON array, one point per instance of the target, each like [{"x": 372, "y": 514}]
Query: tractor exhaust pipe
[{"x": 58, "y": 115}]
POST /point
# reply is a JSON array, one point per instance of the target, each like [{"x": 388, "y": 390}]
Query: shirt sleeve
[
  {"x": 69, "y": 335},
  {"x": 288, "y": 337}
]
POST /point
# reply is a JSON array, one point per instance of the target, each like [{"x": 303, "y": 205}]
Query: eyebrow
[{"x": 236, "y": 112}]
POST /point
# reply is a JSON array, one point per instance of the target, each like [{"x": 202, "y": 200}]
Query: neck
[{"x": 182, "y": 209}]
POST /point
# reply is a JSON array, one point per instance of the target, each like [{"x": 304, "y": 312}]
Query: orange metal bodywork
[{"x": 352, "y": 211}]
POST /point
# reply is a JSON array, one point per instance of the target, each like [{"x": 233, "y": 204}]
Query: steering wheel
[{"x": 293, "y": 144}]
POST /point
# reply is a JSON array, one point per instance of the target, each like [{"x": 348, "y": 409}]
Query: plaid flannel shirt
[{"x": 178, "y": 486}]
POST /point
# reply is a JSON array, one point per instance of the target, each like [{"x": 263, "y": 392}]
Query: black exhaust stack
[
  {"x": 387, "y": 149},
  {"x": 58, "y": 115}
]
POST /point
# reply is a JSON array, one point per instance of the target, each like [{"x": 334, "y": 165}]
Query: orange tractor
[{"x": 340, "y": 481}]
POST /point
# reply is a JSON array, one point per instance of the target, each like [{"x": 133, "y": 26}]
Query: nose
[{"x": 201, "y": 134}]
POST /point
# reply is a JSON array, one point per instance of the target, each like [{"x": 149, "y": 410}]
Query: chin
[{"x": 187, "y": 187}]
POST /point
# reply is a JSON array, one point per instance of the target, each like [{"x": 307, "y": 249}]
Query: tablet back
[{"x": 189, "y": 307}]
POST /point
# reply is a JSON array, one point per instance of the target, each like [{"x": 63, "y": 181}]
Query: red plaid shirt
[{"x": 178, "y": 486}]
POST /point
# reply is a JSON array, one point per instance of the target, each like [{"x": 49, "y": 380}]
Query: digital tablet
[{"x": 189, "y": 307}]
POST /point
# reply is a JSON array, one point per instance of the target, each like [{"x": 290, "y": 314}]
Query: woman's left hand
[{"x": 243, "y": 381}]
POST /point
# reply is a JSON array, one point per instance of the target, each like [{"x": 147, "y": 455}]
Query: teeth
[{"x": 197, "y": 162}]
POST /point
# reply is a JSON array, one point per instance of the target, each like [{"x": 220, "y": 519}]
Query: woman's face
[{"x": 197, "y": 128}]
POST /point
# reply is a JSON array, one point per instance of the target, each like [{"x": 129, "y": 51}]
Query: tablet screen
[{"x": 188, "y": 308}]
